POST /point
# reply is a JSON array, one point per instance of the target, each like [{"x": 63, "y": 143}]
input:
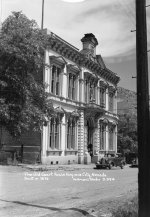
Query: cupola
[{"x": 89, "y": 44}]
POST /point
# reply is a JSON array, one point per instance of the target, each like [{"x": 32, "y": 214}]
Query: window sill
[
  {"x": 111, "y": 151},
  {"x": 71, "y": 152},
  {"x": 72, "y": 100},
  {"x": 54, "y": 152},
  {"x": 63, "y": 98}
]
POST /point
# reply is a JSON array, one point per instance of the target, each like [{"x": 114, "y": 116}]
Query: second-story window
[
  {"x": 90, "y": 90},
  {"x": 102, "y": 97},
  {"x": 55, "y": 80},
  {"x": 86, "y": 91},
  {"x": 72, "y": 86}
]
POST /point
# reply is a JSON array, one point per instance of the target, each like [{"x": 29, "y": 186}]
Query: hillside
[{"x": 126, "y": 102}]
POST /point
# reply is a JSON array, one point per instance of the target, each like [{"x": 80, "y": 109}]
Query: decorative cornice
[
  {"x": 73, "y": 68},
  {"x": 81, "y": 80},
  {"x": 59, "y": 60},
  {"x": 103, "y": 84},
  {"x": 70, "y": 52},
  {"x": 111, "y": 89}
]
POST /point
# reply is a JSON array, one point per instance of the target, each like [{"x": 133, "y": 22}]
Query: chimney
[{"x": 89, "y": 44}]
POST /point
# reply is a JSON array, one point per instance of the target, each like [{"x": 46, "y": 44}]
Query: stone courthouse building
[
  {"x": 83, "y": 92},
  {"x": 84, "y": 95}
]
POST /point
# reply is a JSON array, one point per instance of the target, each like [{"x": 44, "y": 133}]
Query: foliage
[
  {"x": 126, "y": 144},
  {"x": 127, "y": 133},
  {"x": 129, "y": 209},
  {"x": 23, "y": 101}
]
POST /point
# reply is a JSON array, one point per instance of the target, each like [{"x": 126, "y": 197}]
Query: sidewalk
[{"x": 70, "y": 167}]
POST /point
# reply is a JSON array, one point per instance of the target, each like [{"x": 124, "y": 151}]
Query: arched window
[
  {"x": 72, "y": 86},
  {"x": 55, "y": 80},
  {"x": 102, "y": 93},
  {"x": 89, "y": 90},
  {"x": 86, "y": 91},
  {"x": 71, "y": 134},
  {"x": 54, "y": 133},
  {"x": 102, "y": 135}
]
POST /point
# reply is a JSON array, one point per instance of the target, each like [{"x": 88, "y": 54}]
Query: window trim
[
  {"x": 54, "y": 131},
  {"x": 102, "y": 136},
  {"x": 71, "y": 136},
  {"x": 72, "y": 86},
  {"x": 55, "y": 79}
]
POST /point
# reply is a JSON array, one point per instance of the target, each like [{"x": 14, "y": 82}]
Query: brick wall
[{"x": 31, "y": 142}]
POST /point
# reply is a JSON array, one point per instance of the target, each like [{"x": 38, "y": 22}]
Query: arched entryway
[{"x": 88, "y": 138}]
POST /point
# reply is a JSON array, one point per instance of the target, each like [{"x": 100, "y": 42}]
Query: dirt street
[{"x": 64, "y": 192}]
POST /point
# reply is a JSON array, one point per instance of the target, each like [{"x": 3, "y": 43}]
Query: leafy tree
[
  {"x": 126, "y": 144},
  {"x": 23, "y": 101},
  {"x": 127, "y": 133}
]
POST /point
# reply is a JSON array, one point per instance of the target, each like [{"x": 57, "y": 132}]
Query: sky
[{"x": 111, "y": 21}]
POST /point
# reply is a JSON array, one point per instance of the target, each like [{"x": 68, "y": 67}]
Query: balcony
[{"x": 93, "y": 109}]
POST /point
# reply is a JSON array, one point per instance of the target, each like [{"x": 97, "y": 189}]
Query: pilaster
[
  {"x": 45, "y": 140},
  {"x": 98, "y": 137},
  {"x": 46, "y": 76},
  {"x": 63, "y": 135},
  {"x": 95, "y": 146},
  {"x": 115, "y": 139},
  {"x": 77, "y": 88},
  {"x": 107, "y": 99},
  {"x": 95, "y": 141},
  {"x": 115, "y": 103},
  {"x": 81, "y": 138},
  {"x": 98, "y": 95},
  {"x": 87, "y": 157},
  {"x": 107, "y": 139},
  {"x": 81, "y": 86},
  {"x": 64, "y": 82}
]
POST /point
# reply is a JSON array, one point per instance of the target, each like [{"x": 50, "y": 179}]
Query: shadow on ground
[{"x": 49, "y": 208}]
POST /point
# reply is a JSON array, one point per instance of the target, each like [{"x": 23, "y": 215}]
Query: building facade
[{"x": 83, "y": 92}]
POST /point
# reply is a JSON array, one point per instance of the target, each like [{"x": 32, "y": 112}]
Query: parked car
[
  {"x": 111, "y": 161},
  {"x": 135, "y": 162},
  {"x": 130, "y": 156}
]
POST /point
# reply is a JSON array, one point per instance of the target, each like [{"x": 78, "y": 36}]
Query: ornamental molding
[
  {"x": 59, "y": 109},
  {"x": 90, "y": 77},
  {"x": 60, "y": 112},
  {"x": 111, "y": 89},
  {"x": 58, "y": 60},
  {"x": 70, "y": 52},
  {"x": 73, "y": 69},
  {"x": 73, "y": 115},
  {"x": 104, "y": 121},
  {"x": 81, "y": 80},
  {"x": 108, "y": 122},
  {"x": 110, "y": 128},
  {"x": 103, "y": 84}
]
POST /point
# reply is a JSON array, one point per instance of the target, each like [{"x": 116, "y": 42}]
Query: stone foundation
[{"x": 53, "y": 160}]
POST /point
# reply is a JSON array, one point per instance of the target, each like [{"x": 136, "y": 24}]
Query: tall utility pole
[
  {"x": 42, "y": 22},
  {"x": 143, "y": 110},
  {"x": 0, "y": 14}
]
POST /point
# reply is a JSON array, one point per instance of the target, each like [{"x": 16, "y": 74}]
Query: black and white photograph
[{"x": 74, "y": 108}]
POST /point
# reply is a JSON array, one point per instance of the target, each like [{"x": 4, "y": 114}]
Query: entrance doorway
[
  {"x": 90, "y": 133},
  {"x": 89, "y": 129}
]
